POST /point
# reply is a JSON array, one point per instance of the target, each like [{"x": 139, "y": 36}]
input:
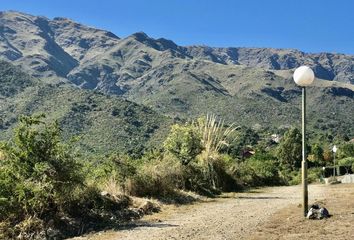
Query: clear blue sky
[{"x": 308, "y": 25}]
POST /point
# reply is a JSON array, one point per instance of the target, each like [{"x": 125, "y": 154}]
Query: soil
[{"x": 267, "y": 213}]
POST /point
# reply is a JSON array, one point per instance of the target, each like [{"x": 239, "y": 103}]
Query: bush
[
  {"x": 111, "y": 173},
  {"x": 255, "y": 172},
  {"x": 156, "y": 178},
  {"x": 184, "y": 142},
  {"x": 347, "y": 163},
  {"x": 197, "y": 176},
  {"x": 39, "y": 173},
  {"x": 295, "y": 177}
]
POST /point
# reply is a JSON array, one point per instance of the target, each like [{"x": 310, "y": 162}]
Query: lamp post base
[{"x": 304, "y": 188}]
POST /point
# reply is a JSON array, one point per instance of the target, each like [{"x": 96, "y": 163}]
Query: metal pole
[
  {"x": 334, "y": 163},
  {"x": 304, "y": 160}
]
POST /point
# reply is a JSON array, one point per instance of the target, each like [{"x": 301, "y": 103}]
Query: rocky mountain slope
[
  {"x": 64, "y": 48},
  {"x": 251, "y": 86},
  {"x": 104, "y": 124}
]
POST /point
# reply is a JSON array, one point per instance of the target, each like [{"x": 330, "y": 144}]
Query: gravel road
[{"x": 233, "y": 217}]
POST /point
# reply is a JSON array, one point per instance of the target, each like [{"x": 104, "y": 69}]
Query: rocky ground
[{"x": 268, "y": 213}]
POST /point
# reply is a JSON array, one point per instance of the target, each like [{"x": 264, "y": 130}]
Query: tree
[
  {"x": 317, "y": 155},
  {"x": 38, "y": 171},
  {"x": 347, "y": 163},
  {"x": 346, "y": 150},
  {"x": 328, "y": 156},
  {"x": 289, "y": 151},
  {"x": 184, "y": 142}
]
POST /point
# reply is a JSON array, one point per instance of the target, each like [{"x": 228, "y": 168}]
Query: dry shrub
[
  {"x": 156, "y": 178},
  {"x": 112, "y": 186},
  {"x": 6, "y": 231},
  {"x": 29, "y": 228}
]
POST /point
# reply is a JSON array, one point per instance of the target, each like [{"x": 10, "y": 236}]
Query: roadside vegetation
[{"x": 48, "y": 189}]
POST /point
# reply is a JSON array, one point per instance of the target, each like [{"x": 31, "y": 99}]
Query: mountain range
[{"x": 250, "y": 86}]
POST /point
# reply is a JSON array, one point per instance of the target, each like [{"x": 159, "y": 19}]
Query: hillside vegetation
[
  {"x": 103, "y": 123},
  {"x": 48, "y": 190}
]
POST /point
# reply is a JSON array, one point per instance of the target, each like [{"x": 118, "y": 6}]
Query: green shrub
[
  {"x": 38, "y": 177},
  {"x": 115, "y": 169},
  {"x": 295, "y": 177},
  {"x": 314, "y": 175},
  {"x": 347, "y": 162},
  {"x": 197, "y": 176},
  {"x": 224, "y": 180},
  {"x": 184, "y": 142},
  {"x": 255, "y": 172},
  {"x": 346, "y": 150}
]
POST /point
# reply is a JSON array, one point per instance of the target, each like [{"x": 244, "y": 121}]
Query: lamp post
[
  {"x": 334, "y": 149},
  {"x": 303, "y": 77}
]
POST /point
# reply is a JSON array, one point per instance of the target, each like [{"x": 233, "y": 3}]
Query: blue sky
[{"x": 307, "y": 25}]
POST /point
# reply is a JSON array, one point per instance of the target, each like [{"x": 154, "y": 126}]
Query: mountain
[
  {"x": 251, "y": 86},
  {"x": 103, "y": 123}
]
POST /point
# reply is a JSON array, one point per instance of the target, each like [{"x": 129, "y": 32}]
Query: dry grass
[
  {"x": 289, "y": 223},
  {"x": 112, "y": 186},
  {"x": 214, "y": 133}
]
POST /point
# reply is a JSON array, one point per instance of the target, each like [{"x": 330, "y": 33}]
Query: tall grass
[{"x": 215, "y": 135}]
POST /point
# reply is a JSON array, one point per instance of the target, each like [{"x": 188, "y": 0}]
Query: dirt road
[{"x": 234, "y": 217}]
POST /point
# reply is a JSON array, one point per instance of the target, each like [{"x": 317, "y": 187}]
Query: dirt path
[{"x": 235, "y": 217}]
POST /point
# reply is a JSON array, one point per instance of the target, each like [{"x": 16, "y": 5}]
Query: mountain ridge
[
  {"x": 238, "y": 84},
  {"x": 76, "y": 40}
]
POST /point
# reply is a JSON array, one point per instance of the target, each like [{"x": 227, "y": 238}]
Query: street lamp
[
  {"x": 304, "y": 76},
  {"x": 334, "y": 149}
]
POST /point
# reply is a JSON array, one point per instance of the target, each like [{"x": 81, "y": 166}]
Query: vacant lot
[{"x": 268, "y": 213}]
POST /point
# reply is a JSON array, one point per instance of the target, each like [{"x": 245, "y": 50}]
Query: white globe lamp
[{"x": 304, "y": 76}]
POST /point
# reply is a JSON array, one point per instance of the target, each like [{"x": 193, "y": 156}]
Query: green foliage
[
  {"x": 294, "y": 177},
  {"x": 242, "y": 138},
  {"x": 184, "y": 142},
  {"x": 346, "y": 150},
  {"x": 317, "y": 152},
  {"x": 260, "y": 170},
  {"x": 41, "y": 180},
  {"x": 290, "y": 149},
  {"x": 347, "y": 162},
  {"x": 327, "y": 156},
  {"x": 104, "y": 123},
  {"x": 37, "y": 169},
  {"x": 12, "y": 80},
  {"x": 38, "y": 174}
]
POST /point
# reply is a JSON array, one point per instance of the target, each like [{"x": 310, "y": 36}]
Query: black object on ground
[{"x": 317, "y": 212}]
